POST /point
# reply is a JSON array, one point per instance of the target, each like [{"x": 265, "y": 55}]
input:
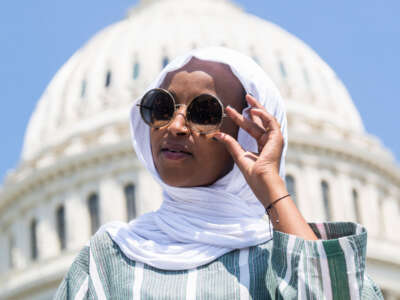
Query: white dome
[{"x": 77, "y": 101}]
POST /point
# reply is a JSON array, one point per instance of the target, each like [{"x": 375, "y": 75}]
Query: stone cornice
[
  {"x": 347, "y": 152},
  {"x": 36, "y": 178}
]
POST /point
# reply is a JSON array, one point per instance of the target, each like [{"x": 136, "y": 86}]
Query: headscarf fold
[{"x": 196, "y": 225}]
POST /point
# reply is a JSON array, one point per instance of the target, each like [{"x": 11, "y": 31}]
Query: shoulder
[
  {"x": 80, "y": 265},
  {"x": 99, "y": 245},
  {"x": 102, "y": 247},
  {"x": 101, "y": 241}
]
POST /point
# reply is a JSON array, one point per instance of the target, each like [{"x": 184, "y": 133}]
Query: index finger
[
  {"x": 266, "y": 118},
  {"x": 253, "y": 101},
  {"x": 250, "y": 126}
]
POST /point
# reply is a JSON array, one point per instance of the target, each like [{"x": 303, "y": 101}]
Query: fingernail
[
  {"x": 230, "y": 108},
  {"x": 217, "y": 136}
]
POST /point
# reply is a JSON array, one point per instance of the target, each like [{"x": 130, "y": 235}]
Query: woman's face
[{"x": 204, "y": 160}]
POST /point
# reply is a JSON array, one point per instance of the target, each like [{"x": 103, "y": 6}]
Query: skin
[
  {"x": 201, "y": 168},
  {"x": 212, "y": 156}
]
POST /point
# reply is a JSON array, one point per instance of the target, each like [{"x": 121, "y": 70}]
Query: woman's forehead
[
  {"x": 214, "y": 69},
  {"x": 208, "y": 75}
]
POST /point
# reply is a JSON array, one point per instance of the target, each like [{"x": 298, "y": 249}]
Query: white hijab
[{"x": 196, "y": 225}]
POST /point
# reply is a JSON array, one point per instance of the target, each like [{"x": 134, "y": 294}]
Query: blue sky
[{"x": 360, "y": 40}]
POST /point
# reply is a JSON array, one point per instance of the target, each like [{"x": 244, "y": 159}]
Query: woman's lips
[
  {"x": 174, "y": 154},
  {"x": 175, "y": 151}
]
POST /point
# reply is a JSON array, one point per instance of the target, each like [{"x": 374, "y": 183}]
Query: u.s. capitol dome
[{"x": 78, "y": 169}]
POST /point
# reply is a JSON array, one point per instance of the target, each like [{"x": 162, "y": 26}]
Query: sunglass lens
[
  {"x": 205, "y": 113},
  {"x": 157, "y": 108}
]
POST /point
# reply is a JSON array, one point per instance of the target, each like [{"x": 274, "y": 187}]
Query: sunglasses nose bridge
[
  {"x": 176, "y": 123},
  {"x": 180, "y": 109}
]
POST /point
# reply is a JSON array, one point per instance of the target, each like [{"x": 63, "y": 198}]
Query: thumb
[{"x": 231, "y": 145}]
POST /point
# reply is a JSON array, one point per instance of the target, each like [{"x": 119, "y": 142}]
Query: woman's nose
[{"x": 178, "y": 124}]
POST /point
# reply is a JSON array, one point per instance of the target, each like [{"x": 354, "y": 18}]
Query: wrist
[{"x": 274, "y": 188}]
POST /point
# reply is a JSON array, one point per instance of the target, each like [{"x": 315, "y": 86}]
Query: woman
[{"x": 220, "y": 174}]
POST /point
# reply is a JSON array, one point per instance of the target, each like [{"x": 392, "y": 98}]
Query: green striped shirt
[{"x": 286, "y": 267}]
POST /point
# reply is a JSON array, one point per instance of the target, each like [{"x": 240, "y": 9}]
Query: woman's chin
[
  {"x": 187, "y": 180},
  {"x": 177, "y": 179},
  {"x": 178, "y": 182}
]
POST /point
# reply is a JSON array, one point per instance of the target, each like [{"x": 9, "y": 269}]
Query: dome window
[
  {"x": 33, "y": 239},
  {"x": 93, "y": 204},
  {"x": 83, "y": 89},
  {"x": 291, "y": 187},
  {"x": 108, "y": 79},
  {"x": 282, "y": 68},
  {"x": 136, "y": 70},
  {"x": 356, "y": 206},
  {"x": 60, "y": 218},
  {"x": 130, "y": 199},
  {"x": 326, "y": 200},
  {"x": 165, "y": 61}
]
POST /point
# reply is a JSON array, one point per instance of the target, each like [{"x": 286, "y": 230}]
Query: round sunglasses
[{"x": 204, "y": 114}]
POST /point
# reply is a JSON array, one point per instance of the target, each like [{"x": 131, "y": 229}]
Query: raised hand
[{"x": 260, "y": 167}]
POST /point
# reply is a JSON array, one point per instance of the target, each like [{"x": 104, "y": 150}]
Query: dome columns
[
  {"x": 390, "y": 215},
  {"x": 370, "y": 205},
  {"x": 77, "y": 220},
  {"x": 47, "y": 241},
  {"x": 344, "y": 204},
  {"x": 21, "y": 252},
  {"x": 313, "y": 194},
  {"x": 112, "y": 204}
]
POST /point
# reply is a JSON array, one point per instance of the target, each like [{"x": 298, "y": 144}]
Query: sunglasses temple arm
[{"x": 140, "y": 105}]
